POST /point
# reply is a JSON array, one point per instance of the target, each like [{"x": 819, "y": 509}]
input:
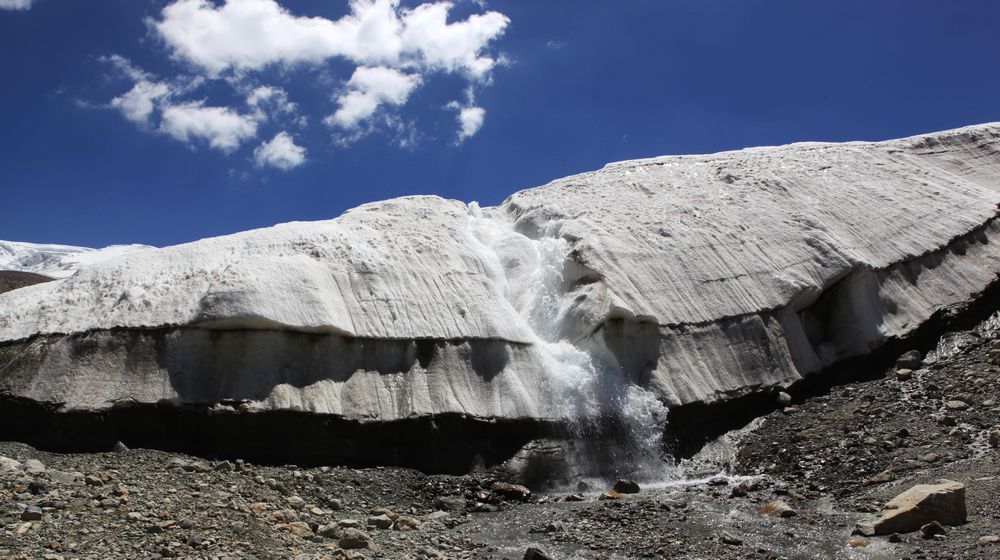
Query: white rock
[{"x": 698, "y": 277}]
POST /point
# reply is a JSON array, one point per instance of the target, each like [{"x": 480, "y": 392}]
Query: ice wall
[{"x": 609, "y": 294}]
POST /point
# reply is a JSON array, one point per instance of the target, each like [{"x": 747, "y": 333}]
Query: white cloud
[
  {"x": 270, "y": 99},
  {"x": 393, "y": 50},
  {"x": 223, "y": 128},
  {"x": 15, "y": 4},
  {"x": 251, "y": 34},
  {"x": 369, "y": 88},
  {"x": 470, "y": 120},
  {"x": 138, "y": 103},
  {"x": 280, "y": 152}
]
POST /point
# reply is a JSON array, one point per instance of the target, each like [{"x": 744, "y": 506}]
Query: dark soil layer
[{"x": 13, "y": 279}]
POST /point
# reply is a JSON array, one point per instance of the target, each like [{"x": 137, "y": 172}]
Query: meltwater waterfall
[{"x": 617, "y": 426}]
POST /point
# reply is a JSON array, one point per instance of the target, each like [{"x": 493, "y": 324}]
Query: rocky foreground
[{"x": 806, "y": 481}]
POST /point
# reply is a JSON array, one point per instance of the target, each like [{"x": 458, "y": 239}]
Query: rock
[
  {"x": 989, "y": 539},
  {"x": 729, "y": 538},
  {"x": 931, "y": 530},
  {"x": 930, "y": 457},
  {"x": 910, "y": 360},
  {"x": 511, "y": 491},
  {"x": 405, "y": 523},
  {"x": 299, "y": 529},
  {"x": 119, "y": 447},
  {"x": 349, "y": 523},
  {"x": 62, "y": 477},
  {"x": 34, "y": 467},
  {"x": 904, "y": 374},
  {"x": 380, "y": 522},
  {"x": 449, "y": 503},
  {"x": 31, "y": 513},
  {"x": 351, "y": 539},
  {"x": 784, "y": 399},
  {"x": 885, "y": 476},
  {"x": 330, "y": 531},
  {"x": 575, "y": 498},
  {"x": 92, "y": 480},
  {"x": 610, "y": 495},
  {"x": 536, "y": 554},
  {"x": 994, "y": 438},
  {"x": 956, "y": 405},
  {"x": 943, "y": 502},
  {"x": 778, "y": 508},
  {"x": 335, "y": 504},
  {"x": 9, "y": 465},
  {"x": 858, "y": 542},
  {"x": 623, "y": 486}
]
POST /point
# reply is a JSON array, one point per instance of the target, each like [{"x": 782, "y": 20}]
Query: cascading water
[{"x": 617, "y": 425}]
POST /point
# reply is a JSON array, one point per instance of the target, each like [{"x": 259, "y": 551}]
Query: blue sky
[{"x": 161, "y": 122}]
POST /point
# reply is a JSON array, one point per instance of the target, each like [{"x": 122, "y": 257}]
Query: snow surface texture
[
  {"x": 56, "y": 261},
  {"x": 656, "y": 282}
]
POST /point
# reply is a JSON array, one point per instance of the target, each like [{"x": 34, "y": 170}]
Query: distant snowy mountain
[{"x": 57, "y": 261}]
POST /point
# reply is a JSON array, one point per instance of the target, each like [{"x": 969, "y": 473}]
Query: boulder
[
  {"x": 911, "y": 360},
  {"x": 351, "y": 538},
  {"x": 943, "y": 502},
  {"x": 623, "y": 486}
]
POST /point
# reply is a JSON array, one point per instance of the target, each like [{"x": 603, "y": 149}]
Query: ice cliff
[{"x": 646, "y": 284}]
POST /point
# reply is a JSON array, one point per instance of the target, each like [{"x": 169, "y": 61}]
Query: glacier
[{"x": 623, "y": 292}]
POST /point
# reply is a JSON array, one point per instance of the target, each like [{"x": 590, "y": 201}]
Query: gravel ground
[{"x": 833, "y": 460}]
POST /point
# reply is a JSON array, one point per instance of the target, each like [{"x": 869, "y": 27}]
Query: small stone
[
  {"x": 224, "y": 466},
  {"x": 610, "y": 495},
  {"x": 994, "y": 439},
  {"x": 299, "y": 529},
  {"x": 904, "y": 374},
  {"x": 910, "y": 360},
  {"x": 989, "y": 539},
  {"x": 858, "y": 542},
  {"x": 729, "y": 538},
  {"x": 34, "y": 467},
  {"x": 335, "y": 504},
  {"x": 380, "y": 522},
  {"x": 92, "y": 480},
  {"x": 119, "y": 447},
  {"x": 783, "y": 398},
  {"x": 32, "y": 513},
  {"x": 295, "y": 502},
  {"x": 574, "y": 498},
  {"x": 895, "y": 538},
  {"x": 956, "y": 405},
  {"x": 535, "y": 554},
  {"x": 511, "y": 491},
  {"x": 406, "y": 523},
  {"x": 930, "y": 457},
  {"x": 624, "y": 486},
  {"x": 352, "y": 538},
  {"x": 931, "y": 530},
  {"x": 349, "y": 523},
  {"x": 330, "y": 531},
  {"x": 881, "y": 478},
  {"x": 778, "y": 508}
]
